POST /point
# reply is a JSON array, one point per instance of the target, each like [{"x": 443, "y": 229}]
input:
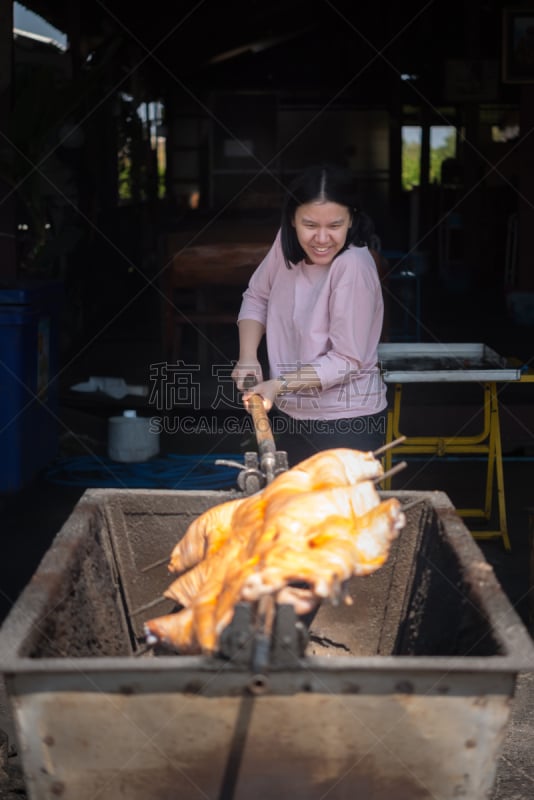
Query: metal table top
[{"x": 429, "y": 362}]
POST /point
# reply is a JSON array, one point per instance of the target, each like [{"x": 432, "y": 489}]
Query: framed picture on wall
[{"x": 518, "y": 46}]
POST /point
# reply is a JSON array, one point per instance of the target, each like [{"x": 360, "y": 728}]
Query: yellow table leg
[
  {"x": 495, "y": 467},
  {"x": 388, "y": 455},
  {"x": 487, "y": 442}
]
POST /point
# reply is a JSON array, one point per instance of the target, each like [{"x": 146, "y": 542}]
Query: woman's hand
[
  {"x": 267, "y": 391},
  {"x": 242, "y": 369}
]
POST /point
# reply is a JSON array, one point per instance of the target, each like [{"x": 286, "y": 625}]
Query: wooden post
[{"x": 525, "y": 199}]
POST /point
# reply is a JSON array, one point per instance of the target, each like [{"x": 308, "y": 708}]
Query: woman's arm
[
  {"x": 250, "y": 335},
  {"x": 304, "y": 378},
  {"x": 253, "y": 316}
]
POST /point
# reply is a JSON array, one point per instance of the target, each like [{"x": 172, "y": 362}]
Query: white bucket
[{"x": 130, "y": 438}]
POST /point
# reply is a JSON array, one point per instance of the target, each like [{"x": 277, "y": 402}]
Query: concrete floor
[{"x": 32, "y": 516}]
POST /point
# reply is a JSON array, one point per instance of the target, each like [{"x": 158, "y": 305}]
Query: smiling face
[{"x": 322, "y": 229}]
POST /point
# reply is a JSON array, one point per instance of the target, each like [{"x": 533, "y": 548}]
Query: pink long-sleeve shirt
[{"x": 329, "y": 317}]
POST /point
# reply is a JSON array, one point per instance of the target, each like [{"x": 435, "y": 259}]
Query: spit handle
[
  {"x": 262, "y": 425},
  {"x": 262, "y": 428}
]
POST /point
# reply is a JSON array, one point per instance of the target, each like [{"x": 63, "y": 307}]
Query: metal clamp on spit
[
  {"x": 263, "y": 636},
  {"x": 262, "y": 467}
]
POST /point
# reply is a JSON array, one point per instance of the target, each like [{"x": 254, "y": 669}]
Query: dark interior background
[{"x": 236, "y": 97}]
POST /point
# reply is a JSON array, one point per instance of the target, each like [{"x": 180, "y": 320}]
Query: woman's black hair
[{"x": 323, "y": 183}]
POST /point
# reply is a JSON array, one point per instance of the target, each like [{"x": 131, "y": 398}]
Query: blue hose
[
  {"x": 169, "y": 472},
  {"x": 175, "y": 471}
]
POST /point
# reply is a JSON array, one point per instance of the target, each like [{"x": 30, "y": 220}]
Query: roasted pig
[
  {"x": 327, "y": 469},
  {"x": 299, "y": 540}
]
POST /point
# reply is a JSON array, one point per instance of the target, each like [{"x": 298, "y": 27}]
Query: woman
[{"x": 317, "y": 298}]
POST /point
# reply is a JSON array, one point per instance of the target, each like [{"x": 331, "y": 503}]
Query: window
[
  {"x": 142, "y": 150},
  {"x": 412, "y": 138},
  {"x": 442, "y": 146}
]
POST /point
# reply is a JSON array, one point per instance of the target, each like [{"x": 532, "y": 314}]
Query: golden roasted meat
[
  {"x": 299, "y": 540},
  {"x": 327, "y": 469},
  {"x": 297, "y": 514},
  {"x": 174, "y": 630},
  {"x": 295, "y": 519},
  {"x": 204, "y": 536},
  {"x": 330, "y": 553}
]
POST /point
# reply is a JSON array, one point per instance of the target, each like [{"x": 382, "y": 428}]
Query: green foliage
[
  {"x": 411, "y": 161},
  {"x": 411, "y": 165},
  {"x": 439, "y": 154},
  {"x": 141, "y": 174}
]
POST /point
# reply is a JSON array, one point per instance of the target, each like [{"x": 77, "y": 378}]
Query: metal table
[{"x": 454, "y": 363}]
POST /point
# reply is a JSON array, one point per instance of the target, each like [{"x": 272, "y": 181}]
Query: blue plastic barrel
[{"x": 29, "y": 397}]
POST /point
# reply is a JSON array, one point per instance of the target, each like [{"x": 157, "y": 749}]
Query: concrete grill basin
[{"x": 405, "y": 694}]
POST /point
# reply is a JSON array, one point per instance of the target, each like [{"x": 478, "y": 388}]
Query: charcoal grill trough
[{"x": 405, "y": 694}]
